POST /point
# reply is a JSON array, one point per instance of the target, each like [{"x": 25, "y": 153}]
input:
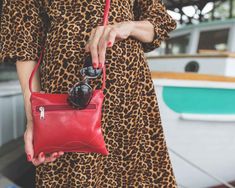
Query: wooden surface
[
  {"x": 214, "y": 52},
  {"x": 190, "y": 76},
  {"x": 202, "y": 54}
]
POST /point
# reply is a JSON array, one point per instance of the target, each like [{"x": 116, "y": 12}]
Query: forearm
[
  {"x": 24, "y": 69},
  {"x": 142, "y": 30}
]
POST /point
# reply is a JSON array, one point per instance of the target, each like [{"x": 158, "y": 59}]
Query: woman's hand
[
  {"x": 28, "y": 139},
  {"x": 24, "y": 70},
  {"x": 105, "y": 36}
]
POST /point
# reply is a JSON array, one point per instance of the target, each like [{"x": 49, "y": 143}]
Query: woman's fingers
[
  {"x": 41, "y": 157},
  {"x": 39, "y": 160},
  {"x": 112, "y": 36},
  {"x": 102, "y": 46},
  {"x": 52, "y": 157},
  {"x": 93, "y": 46},
  {"x": 61, "y": 153},
  {"x": 45, "y": 159},
  {"x": 87, "y": 47},
  {"x": 98, "y": 43},
  {"x": 28, "y": 141},
  {"x": 101, "y": 38},
  {"x": 29, "y": 149},
  {"x": 105, "y": 36}
]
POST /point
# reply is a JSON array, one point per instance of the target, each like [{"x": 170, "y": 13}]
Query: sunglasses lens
[
  {"x": 81, "y": 95},
  {"x": 88, "y": 69},
  {"x": 90, "y": 72}
]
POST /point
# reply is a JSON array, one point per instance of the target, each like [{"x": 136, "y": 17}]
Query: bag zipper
[{"x": 42, "y": 109}]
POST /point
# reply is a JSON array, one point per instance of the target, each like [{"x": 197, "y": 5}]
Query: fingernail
[
  {"x": 28, "y": 157},
  {"x": 109, "y": 43},
  {"x": 55, "y": 155},
  {"x": 95, "y": 65},
  {"x": 101, "y": 65}
]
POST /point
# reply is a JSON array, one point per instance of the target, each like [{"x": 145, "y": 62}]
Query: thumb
[{"x": 28, "y": 139}]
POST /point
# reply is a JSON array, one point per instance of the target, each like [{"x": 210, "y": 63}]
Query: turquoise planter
[{"x": 200, "y": 100}]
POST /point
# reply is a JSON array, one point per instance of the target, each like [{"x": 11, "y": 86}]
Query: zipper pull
[{"x": 42, "y": 112}]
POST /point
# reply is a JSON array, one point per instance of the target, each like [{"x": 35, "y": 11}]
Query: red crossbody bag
[{"x": 57, "y": 126}]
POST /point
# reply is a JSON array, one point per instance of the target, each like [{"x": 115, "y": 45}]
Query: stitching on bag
[{"x": 74, "y": 146}]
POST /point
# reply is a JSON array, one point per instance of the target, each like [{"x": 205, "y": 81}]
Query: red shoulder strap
[
  {"x": 35, "y": 70},
  {"x": 105, "y": 22}
]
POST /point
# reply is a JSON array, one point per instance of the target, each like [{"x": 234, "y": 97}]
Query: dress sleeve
[
  {"x": 21, "y": 30},
  {"x": 155, "y": 12}
]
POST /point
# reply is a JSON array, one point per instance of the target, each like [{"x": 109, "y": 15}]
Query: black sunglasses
[{"x": 81, "y": 93}]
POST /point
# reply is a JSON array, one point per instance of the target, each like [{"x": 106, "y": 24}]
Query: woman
[{"x": 131, "y": 120}]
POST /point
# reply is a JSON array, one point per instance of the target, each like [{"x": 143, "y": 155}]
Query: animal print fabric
[{"x": 131, "y": 121}]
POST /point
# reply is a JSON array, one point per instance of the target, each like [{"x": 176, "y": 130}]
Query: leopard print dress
[{"x": 131, "y": 121}]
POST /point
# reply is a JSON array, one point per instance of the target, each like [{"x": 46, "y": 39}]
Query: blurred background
[{"x": 194, "y": 76}]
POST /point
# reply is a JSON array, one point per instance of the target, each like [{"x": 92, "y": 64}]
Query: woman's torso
[{"x": 70, "y": 24}]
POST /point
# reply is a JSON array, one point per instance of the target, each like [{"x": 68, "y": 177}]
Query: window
[
  {"x": 7, "y": 72},
  {"x": 177, "y": 45},
  {"x": 192, "y": 66},
  {"x": 214, "y": 40}
]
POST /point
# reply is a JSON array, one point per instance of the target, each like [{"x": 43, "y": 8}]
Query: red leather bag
[{"x": 57, "y": 126}]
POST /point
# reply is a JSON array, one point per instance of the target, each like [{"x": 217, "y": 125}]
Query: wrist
[
  {"x": 142, "y": 30},
  {"x": 29, "y": 121},
  {"x": 132, "y": 28},
  {"x": 29, "y": 124}
]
